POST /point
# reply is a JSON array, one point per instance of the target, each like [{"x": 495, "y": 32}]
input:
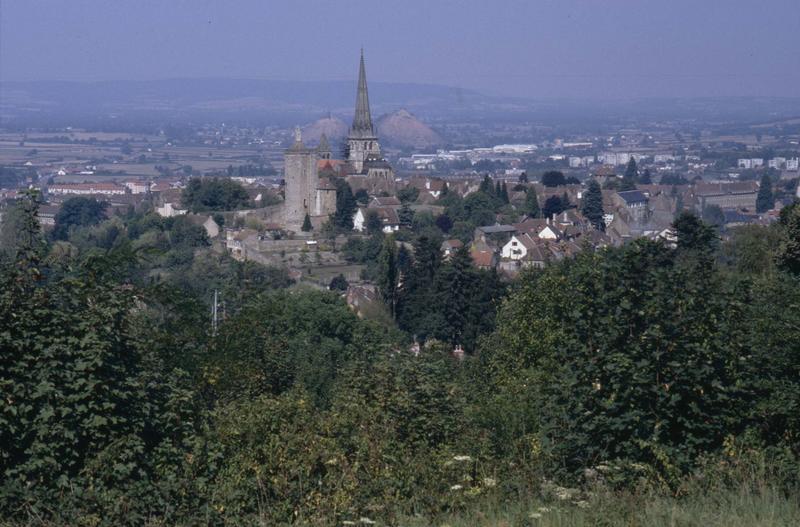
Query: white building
[
  {"x": 168, "y": 211},
  {"x": 793, "y": 164}
]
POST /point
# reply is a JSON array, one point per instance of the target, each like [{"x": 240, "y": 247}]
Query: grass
[{"x": 731, "y": 508}]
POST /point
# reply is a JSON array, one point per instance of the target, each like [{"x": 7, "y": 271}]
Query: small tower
[
  {"x": 324, "y": 147},
  {"x": 362, "y": 141}
]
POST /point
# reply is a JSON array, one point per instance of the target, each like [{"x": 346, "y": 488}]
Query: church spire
[{"x": 362, "y": 121}]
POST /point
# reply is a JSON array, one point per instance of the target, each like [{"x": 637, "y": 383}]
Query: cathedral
[{"x": 310, "y": 174}]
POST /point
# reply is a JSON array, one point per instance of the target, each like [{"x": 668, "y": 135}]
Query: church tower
[{"x": 362, "y": 142}]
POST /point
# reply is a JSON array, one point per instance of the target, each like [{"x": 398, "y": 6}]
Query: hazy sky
[{"x": 534, "y": 48}]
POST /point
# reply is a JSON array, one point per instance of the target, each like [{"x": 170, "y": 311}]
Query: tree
[
  {"x": 346, "y": 206},
  {"x": 765, "y": 200},
  {"x": 631, "y": 171},
  {"x": 532, "y": 203},
  {"x": 592, "y": 206},
  {"x": 523, "y": 178},
  {"x": 552, "y": 206},
  {"x": 214, "y": 194},
  {"x": 307, "y": 227},
  {"x": 77, "y": 212},
  {"x": 456, "y": 283},
  {"x": 713, "y": 215},
  {"x": 362, "y": 197},
  {"x": 788, "y": 254},
  {"x": 553, "y": 178},
  {"x": 693, "y": 234},
  {"x": 338, "y": 283},
  {"x": 486, "y": 185},
  {"x": 645, "y": 178},
  {"x": 622, "y": 355},
  {"x": 388, "y": 274},
  {"x": 406, "y": 215},
  {"x": 444, "y": 223},
  {"x": 504, "y": 193},
  {"x": 373, "y": 222},
  {"x": 408, "y": 194}
]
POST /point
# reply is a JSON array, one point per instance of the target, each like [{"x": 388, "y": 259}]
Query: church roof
[{"x": 362, "y": 121}]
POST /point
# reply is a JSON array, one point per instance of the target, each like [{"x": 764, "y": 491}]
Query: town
[
  {"x": 453, "y": 264},
  {"x": 309, "y": 200}
]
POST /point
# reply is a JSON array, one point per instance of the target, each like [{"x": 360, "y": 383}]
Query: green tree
[
  {"x": 592, "y": 206},
  {"x": 693, "y": 234},
  {"x": 787, "y": 257},
  {"x": 338, "y": 283},
  {"x": 765, "y": 199},
  {"x": 373, "y": 222},
  {"x": 406, "y": 215},
  {"x": 504, "y": 193},
  {"x": 77, "y": 212},
  {"x": 346, "y": 206},
  {"x": 307, "y": 227},
  {"x": 553, "y": 178},
  {"x": 553, "y": 205},
  {"x": 214, "y": 194},
  {"x": 532, "y": 203},
  {"x": 388, "y": 276}
]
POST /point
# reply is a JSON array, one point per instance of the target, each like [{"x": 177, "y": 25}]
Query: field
[{"x": 48, "y": 152}]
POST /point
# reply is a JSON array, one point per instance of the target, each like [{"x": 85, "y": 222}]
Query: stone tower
[
  {"x": 324, "y": 147},
  {"x": 362, "y": 142},
  {"x": 302, "y": 181}
]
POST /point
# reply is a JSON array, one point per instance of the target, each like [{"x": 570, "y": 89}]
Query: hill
[{"x": 403, "y": 129}]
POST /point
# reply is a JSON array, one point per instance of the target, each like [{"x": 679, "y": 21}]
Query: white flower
[
  {"x": 462, "y": 458},
  {"x": 456, "y": 487},
  {"x": 544, "y": 509},
  {"x": 534, "y": 515},
  {"x": 366, "y": 521},
  {"x": 583, "y": 504},
  {"x": 489, "y": 482}
]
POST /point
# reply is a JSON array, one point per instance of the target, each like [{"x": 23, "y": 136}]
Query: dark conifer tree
[
  {"x": 765, "y": 199},
  {"x": 532, "y": 203},
  {"x": 592, "y": 206},
  {"x": 307, "y": 227}
]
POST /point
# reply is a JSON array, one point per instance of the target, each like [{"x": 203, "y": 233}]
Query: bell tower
[{"x": 362, "y": 142}]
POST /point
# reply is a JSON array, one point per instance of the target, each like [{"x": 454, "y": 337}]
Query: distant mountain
[
  {"x": 280, "y": 102},
  {"x": 403, "y": 129},
  {"x": 333, "y": 127},
  {"x": 119, "y": 104}
]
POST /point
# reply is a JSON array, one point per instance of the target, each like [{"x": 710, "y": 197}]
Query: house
[
  {"x": 635, "y": 202},
  {"x": 494, "y": 233},
  {"x": 168, "y": 211},
  {"x": 47, "y": 215},
  {"x": 388, "y": 216},
  {"x": 83, "y": 189},
  {"x": 235, "y": 242},
  {"x": 138, "y": 187},
  {"x": 738, "y": 195},
  {"x": 483, "y": 256},
  {"x": 449, "y": 247},
  {"x": 384, "y": 201},
  {"x": 517, "y": 247}
]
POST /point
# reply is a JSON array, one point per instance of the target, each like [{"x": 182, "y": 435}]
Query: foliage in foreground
[{"x": 637, "y": 375}]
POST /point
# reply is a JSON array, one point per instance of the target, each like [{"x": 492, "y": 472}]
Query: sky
[{"x": 523, "y": 48}]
